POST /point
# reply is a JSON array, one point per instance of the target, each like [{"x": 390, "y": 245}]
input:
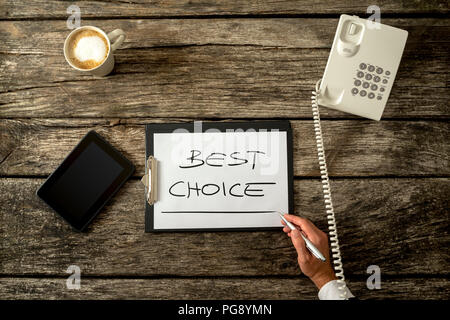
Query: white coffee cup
[{"x": 114, "y": 39}]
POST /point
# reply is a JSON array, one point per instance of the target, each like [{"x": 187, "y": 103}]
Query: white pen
[{"x": 309, "y": 245}]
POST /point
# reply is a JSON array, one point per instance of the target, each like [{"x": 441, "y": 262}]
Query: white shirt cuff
[{"x": 330, "y": 291}]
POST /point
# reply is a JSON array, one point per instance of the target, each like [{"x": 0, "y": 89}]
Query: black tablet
[{"x": 89, "y": 176}]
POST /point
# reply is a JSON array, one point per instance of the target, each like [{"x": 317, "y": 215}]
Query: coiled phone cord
[{"x": 334, "y": 242}]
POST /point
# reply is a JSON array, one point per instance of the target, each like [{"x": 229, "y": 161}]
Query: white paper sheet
[{"x": 239, "y": 178}]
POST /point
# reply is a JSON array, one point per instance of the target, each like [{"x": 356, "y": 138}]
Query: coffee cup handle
[{"x": 116, "y": 37}]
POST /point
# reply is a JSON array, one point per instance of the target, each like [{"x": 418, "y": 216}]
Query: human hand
[{"x": 318, "y": 271}]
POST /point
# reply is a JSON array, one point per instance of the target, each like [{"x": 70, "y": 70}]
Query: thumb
[{"x": 299, "y": 245}]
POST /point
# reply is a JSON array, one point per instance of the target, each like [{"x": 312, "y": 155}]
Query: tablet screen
[{"x": 85, "y": 180}]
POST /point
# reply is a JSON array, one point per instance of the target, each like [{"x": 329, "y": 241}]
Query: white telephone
[
  {"x": 358, "y": 79},
  {"x": 362, "y": 66}
]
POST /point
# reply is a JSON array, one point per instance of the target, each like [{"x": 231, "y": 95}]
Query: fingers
[
  {"x": 304, "y": 224},
  {"x": 300, "y": 246},
  {"x": 286, "y": 229}
]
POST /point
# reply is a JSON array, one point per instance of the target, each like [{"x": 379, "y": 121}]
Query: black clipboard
[{"x": 151, "y": 129}]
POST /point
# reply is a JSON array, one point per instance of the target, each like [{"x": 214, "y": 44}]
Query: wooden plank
[
  {"x": 384, "y": 222},
  {"x": 213, "y": 68},
  {"x": 13, "y": 9},
  {"x": 16, "y": 36},
  {"x": 354, "y": 148},
  {"x": 216, "y": 288}
]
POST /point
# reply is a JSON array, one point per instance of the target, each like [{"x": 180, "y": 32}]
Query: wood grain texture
[
  {"x": 10, "y": 9},
  {"x": 217, "y": 288},
  {"x": 354, "y": 148},
  {"x": 208, "y": 68},
  {"x": 282, "y": 33},
  {"x": 226, "y": 60},
  {"x": 386, "y": 222}
]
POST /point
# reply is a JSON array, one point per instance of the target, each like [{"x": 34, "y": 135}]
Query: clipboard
[{"x": 151, "y": 179}]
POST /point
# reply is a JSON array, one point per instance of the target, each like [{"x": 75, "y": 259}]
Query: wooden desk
[{"x": 184, "y": 61}]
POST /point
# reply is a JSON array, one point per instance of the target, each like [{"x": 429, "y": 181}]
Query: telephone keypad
[{"x": 373, "y": 76}]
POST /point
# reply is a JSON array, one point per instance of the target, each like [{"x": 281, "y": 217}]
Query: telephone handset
[{"x": 358, "y": 79}]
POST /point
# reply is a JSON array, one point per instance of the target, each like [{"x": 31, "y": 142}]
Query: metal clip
[{"x": 150, "y": 180}]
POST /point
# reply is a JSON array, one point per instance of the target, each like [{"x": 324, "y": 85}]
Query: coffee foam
[{"x": 88, "y": 49}]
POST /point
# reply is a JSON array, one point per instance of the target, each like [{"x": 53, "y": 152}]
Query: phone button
[
  {"x": 368, "y": 76},
  {"x": 379, "y": 70},
  {"x": 376, "y": 79},
  {"x": 366, "y": 85},
  {"x": 374, "y": 87},
  {"x": 363, "y": 93},
  {"x": 357, "y": 82},
  {"x": 371, "y": 95},
  {"x": 355, "y": 91},
  {"x": 362, "y": 66},
  {"x": 371, "y": 68},
  {"x": 353, "y": 29},
  {"x": 360, "y": 74}
]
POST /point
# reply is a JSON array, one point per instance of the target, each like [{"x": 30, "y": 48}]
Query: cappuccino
[{"x": 87, "y": 49}]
